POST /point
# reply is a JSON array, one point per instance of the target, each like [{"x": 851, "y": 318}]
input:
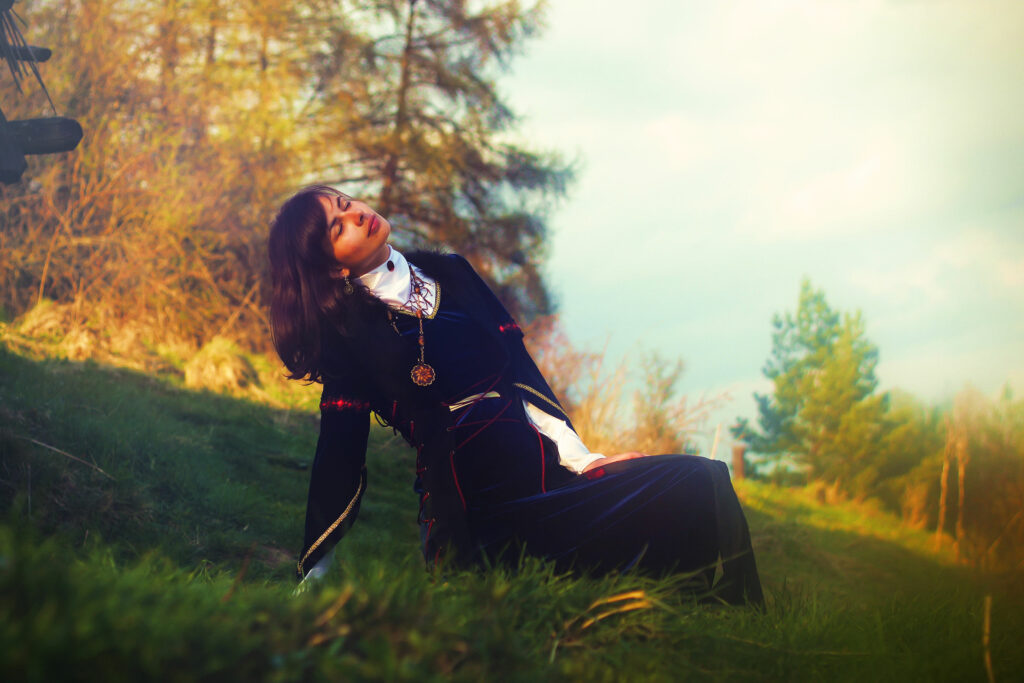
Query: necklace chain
[
  {"x": 417, "y": 300},
  {"x": 422, "y": 374}
]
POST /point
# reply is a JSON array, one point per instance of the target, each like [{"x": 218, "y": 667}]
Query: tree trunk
[
  {"x": 961, "y": 469},
  {"x": 738, "y": 465},
  {"x": 211, "y": 34},
  {"x": 384, "y": 205},
  {"x": 943, "y": 496},
  {"x": 718, "y": 435},
  {"x": 940, "y": 526},
  {"x": 169, "y": 48}
]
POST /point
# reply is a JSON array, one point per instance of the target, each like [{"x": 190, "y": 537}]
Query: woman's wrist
[{"x": 609, "y": 459}]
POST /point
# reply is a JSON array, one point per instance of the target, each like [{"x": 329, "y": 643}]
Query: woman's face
[{"x": 357, "y": 236}]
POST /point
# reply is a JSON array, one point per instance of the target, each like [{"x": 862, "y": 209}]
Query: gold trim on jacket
[
  {"x": 541, "y": 396},
  {"x": 345, "y": 513}
]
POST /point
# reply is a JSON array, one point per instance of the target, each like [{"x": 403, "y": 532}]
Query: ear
[{"x": 339, "y": 272}]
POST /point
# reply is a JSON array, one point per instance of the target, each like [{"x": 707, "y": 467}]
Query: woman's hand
[
  {"x": 608, "y": 460},
  {"x": 314, "y": 575}
]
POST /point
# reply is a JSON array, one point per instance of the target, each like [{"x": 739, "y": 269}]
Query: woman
[{"x": 426, "y": 346}]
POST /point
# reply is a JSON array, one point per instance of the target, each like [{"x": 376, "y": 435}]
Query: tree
[
  {"x": 987, "y": 484},
  {"x": 202, "y": 115},
  {"x": 426, "y": 134},
  {"x": 160, "y": 216},
  {"x": 823, "y": 414},
  {"x": 908, "y": 459}
]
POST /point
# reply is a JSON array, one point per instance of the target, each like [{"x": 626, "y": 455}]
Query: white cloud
[
  {"x": 913, "y": 283},
  {"x": 679, "y": 142},
  {"x": 1011, "y": 272},
  {"x": 983, "y": 257},
  {"x": 864, "y": 195}
]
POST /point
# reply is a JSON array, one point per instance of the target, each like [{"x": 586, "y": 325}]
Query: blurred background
[
  {"x": 818, "y": 204},
  {"x": 728, "y": 150}
]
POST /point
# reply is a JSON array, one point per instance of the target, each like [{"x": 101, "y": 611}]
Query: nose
[{"x": 355, "y": 213}]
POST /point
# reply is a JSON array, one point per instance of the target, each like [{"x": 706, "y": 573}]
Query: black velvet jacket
[{"x": 367, "y": 369}]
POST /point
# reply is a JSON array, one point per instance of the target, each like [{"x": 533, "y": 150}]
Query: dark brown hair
[{"x": 306, "y": 293}]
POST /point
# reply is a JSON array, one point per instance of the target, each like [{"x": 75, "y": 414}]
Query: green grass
[{"x": 179, "y": 565}]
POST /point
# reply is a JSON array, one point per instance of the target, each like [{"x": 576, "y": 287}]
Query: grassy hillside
[{"x": 150, "y": 532}]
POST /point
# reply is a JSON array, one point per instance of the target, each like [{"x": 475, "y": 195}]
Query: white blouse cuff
[{"x": 572, "y": 453}]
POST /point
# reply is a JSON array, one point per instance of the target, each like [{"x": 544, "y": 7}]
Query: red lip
[{"x": 374, "y": 224}]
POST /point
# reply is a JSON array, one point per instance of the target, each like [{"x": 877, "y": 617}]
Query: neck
[{"x": 375, "y": 260}]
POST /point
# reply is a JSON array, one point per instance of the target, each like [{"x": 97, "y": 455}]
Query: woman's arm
[
  {"x": 338, "y": 478},
  {"x": 534, "y": 389},
  {"x": 572, "y": 453},
  {"x": 525, "y": 375},
  {"x": 608, "y": 460}
]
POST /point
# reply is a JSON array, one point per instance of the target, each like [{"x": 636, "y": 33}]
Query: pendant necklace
[{"x": 422, "y": 373}]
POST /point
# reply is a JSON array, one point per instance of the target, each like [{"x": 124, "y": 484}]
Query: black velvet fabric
[
  {"x": 655, "y": 512},
  {"x": 476, "y": 347},
  {"x": 490, "y": 483}
]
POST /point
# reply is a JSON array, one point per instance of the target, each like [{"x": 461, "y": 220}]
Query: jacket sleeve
[
  {"x": 338, "y": 478},
  {"x": 526, "y": 376}
]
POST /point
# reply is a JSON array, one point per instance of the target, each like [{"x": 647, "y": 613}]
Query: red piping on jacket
[
  {"x": 486, "y": 423},
  {"x": 451, "y": 460},
  {"x": 344, "y": 404}
]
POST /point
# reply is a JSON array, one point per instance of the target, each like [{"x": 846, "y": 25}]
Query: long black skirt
[{"x": 659, "y": 514}]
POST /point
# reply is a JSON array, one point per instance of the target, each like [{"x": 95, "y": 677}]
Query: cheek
[
  {"x": 339, "y": 251},
  {"x": 332, "y": 249},
  {"x": 344, "y": 249}
]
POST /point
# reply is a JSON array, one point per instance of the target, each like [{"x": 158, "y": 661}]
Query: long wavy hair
[{"x": 306, "y": 290}]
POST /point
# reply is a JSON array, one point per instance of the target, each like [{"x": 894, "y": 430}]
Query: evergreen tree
[
  {"x": 202, "y": 115},
  {"x": 823, "y": 414},
  {"x": 905, "y": 475},
  {"x": 425, "y": 137}
]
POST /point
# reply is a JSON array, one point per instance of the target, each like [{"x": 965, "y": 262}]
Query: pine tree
[
  {"x": 424, "y": 136},
  {"x": 823, "y": 414},
  {"x": 203, "y": 115}
]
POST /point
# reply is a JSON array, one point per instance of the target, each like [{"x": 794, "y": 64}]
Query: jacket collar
[
  {"x": 372, "y": 345},
  {"x": 457, "y": 283}
]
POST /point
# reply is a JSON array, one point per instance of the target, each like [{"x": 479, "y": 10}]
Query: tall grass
[
  {"x": 609, "y": 417},
  {"x": 179, "y": 565}
]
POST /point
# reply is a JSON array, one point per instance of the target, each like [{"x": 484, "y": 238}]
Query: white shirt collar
[
  {"x": 380, "y": 276},
  {"x": 392, "y": 286}
]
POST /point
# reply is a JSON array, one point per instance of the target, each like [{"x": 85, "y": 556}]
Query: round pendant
[{"x": 423, "y": 375}]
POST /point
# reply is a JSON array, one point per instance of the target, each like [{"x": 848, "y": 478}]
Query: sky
[{"x": 726, "y": 150}]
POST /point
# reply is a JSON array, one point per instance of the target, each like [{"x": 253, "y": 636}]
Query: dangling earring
[{"x": 348, "y": 288}]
